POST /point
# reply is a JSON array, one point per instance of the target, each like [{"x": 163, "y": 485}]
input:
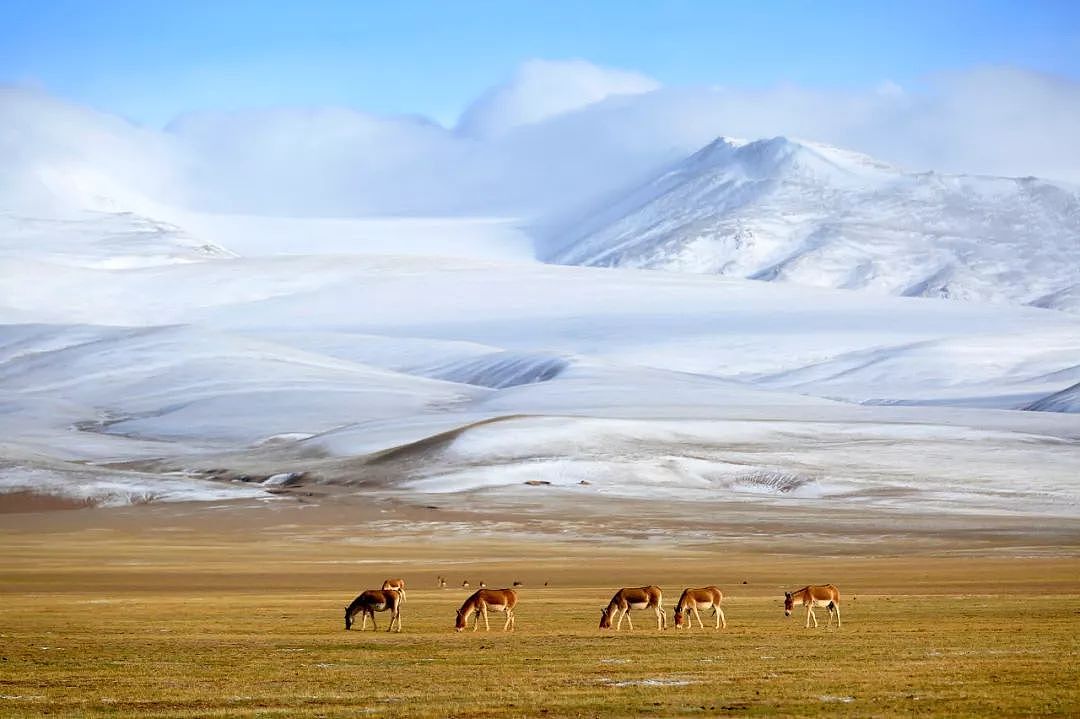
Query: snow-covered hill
[
  {"x": 801, "y": 212},
  {"x": 976, "y": 370},
  {"x": 110, "y": 240},
  {"x": 186, "y": 383},
  {"x": 1067, "y": 400},
  {"x": 477, "y": 373}
]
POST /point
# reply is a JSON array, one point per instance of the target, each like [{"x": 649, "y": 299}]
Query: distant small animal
[
  {"x": 813, "y": 595},
  {"x": 519, "y": 584},
  {"x": 465, "y": 584},
  {"x": 398, "y": 585},
  {"x": 482, "y": 585},
  {"x": 628, "y": 598},
  {"x": 482, "y": 600},
  {"x": 371, "y": 601},
  {"x": 441, "y": 582},
  {"x": 694, "y": 599}
]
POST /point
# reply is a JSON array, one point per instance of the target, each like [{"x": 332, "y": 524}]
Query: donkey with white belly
[
  {"x": 375, "y": 600},
  {"x": 628, "y": 598},
  {"x": 814, "y": 595},
  {"x": 694, "y": 599}
]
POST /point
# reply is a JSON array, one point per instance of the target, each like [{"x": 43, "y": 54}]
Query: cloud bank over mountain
[
  {"x": 555, "y": 137},
  {"x": 542, "y": 89}
]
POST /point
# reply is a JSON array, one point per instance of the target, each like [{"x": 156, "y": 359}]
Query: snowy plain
[{"x": 472, "y": 368}]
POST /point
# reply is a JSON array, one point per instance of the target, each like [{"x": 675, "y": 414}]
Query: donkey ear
[{"x": 787, "y": 595}]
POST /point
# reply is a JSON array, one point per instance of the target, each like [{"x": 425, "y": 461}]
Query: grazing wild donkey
[
  {"x": 371, "y": 601},
  {"x": 497, "y": 600},
  {"x": 629, "y": 598},
  {"x": 825, "y": 595},
  {"x": 694, "y": 599},
  {"x": 398, "y": 585}
]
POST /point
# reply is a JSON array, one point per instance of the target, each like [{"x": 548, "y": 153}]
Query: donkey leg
[
  {"x": 720, "y": 618},
  {"x": 698, "y": 615},
  {"x": 487, "y": 626},
  {"x": 836, "y": 608}
]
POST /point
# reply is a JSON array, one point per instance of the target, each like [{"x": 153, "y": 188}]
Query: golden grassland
[{"x": 237, "y": 621}]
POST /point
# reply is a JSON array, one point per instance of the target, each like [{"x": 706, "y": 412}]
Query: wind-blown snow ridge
[
  {"x": 181, "y": 383},
  {"x": 802, "y": 212},
  {"x": 500, "y": 369},
  {"x": 103, "y": 240},
  {"x": 983, "y": 370},
  {"x": 1067, "y": 400}
]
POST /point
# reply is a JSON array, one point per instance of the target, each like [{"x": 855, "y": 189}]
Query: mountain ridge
[{"x": 780, "y": 209}]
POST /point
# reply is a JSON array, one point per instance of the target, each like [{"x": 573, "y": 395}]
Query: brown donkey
[
  {"x": 497, "y": 600},
  {"x": 694, "y": 599},
  {"x": 810, "y": 596},
  {"x": 398, "y": 585},
  {"x": 371, "y": 601},
  {"x": 628, "y": 598}
]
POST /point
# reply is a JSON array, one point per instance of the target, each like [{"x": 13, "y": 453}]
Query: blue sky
[{"x": 150, "y": 60}]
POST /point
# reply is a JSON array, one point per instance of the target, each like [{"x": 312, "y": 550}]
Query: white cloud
[
  {"x": 542, "y": 89},
  {"x": 316, "y": 161},
  {"x": 57, "y": 155},
  {"x": 558, "y": 136}
]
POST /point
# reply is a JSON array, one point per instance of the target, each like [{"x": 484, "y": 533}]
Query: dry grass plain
[{"x": 120, "y": 613}]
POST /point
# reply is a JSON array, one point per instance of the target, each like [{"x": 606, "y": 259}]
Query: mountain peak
[
  {"x": 781, "y": 156},
  {"x": 785, "y": 209}
]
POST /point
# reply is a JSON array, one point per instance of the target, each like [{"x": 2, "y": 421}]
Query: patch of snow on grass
[
  {"x": 116, "y": 489},
  {"x": 650, "y": 682}
]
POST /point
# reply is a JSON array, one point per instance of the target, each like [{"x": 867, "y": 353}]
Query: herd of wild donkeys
[{"x": 392, "y": 596}]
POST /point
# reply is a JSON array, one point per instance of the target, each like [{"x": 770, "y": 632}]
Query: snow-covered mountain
[
  {"x": 795, "y": 211},
  {"x": 138, "y": 355}
]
